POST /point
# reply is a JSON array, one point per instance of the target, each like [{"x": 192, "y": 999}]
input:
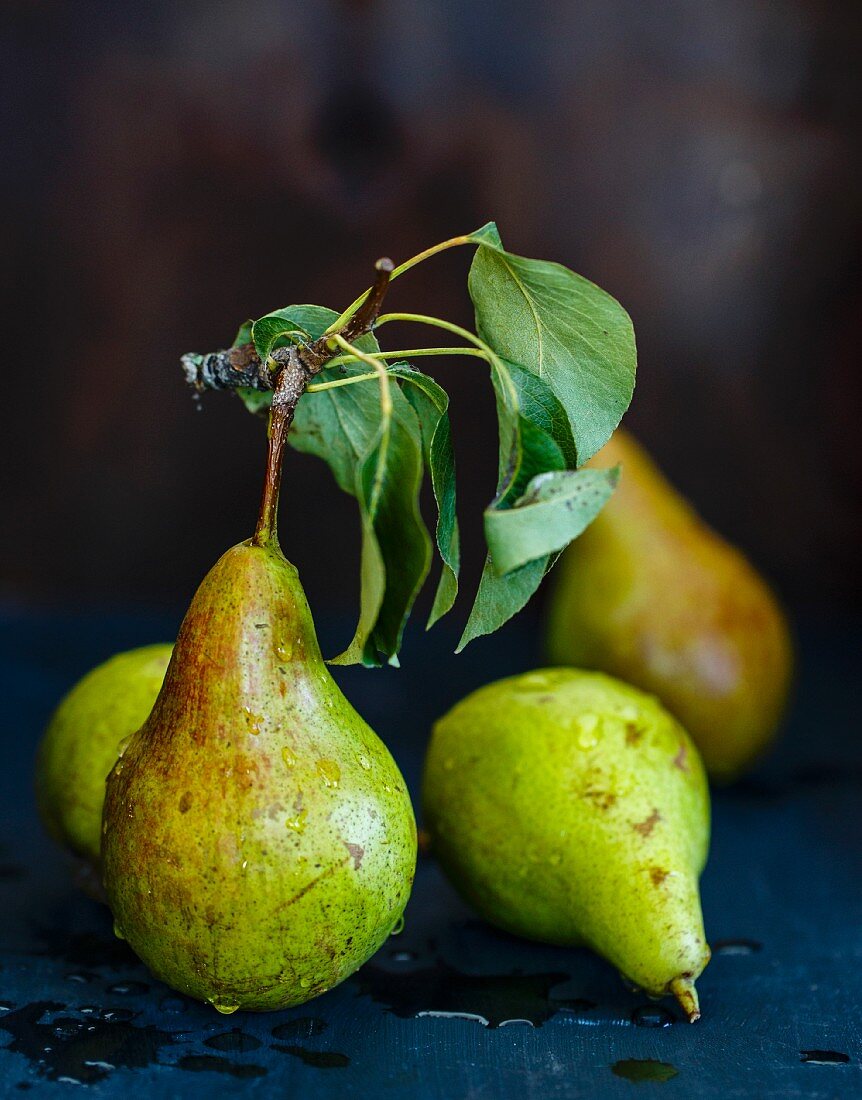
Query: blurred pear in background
[{"x": 653, "y": 595}]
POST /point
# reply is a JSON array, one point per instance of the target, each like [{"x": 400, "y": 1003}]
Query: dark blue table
[{"x": 451, "y": 1008}]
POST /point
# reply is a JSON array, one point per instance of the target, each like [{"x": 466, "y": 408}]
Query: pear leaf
[
  {"x": 431, "y": 403},
  {"x": 556, "y": 507},
  {"x": 562, "y": 362},
  {"x": 276, "y": 330},
  {"x": 499, "y": 598},
  {"x": 487, "y": 234},
  {"x": 535, "y": 437},
  {"x": 562, "y": 328},
  {"x": 396, "y": 548},
  {"x": 381, "y": 465}
]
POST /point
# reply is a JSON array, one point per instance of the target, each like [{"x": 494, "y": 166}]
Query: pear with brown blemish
[
  {"x": 651, "y": 594},
  {"x": 259, "y": 841},
  {"x": 571, "y": 808}
]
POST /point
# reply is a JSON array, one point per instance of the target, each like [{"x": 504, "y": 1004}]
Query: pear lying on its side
[
  {"x": 649, "y": 593},
  {"x": 571, "y": 808},
  {"x": 83, "y": 739},
  {"x": 259, "y": 842}
]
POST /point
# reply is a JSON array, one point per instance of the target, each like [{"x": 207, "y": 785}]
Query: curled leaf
[
  {"x": 431, "y": 404},
  {"x": 556, "y": 507}
]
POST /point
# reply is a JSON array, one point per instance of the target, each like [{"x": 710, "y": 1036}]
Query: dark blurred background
[{"x": 170, "y": 169}]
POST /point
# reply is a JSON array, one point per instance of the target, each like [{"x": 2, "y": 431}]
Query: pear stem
[
  {"x": 686, "y": 994},
  {"x": 289, "y": 387},
  {"x": 295, "y": 366}
]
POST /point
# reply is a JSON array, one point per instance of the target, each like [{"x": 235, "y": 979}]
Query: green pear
[
  {"x": 571, "y": 808},
  {"x": 83, "y": 739},
  {"x": 649, "y": 593},
  {"x": 259, "y": 841}
]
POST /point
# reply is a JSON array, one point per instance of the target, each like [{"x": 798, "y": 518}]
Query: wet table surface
[{"x": 450, "y": 1008}]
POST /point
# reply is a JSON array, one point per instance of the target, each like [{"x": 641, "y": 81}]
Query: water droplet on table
[
  {"x": 442, "y": 991},
  {"x": 234, "y": 1041},
  {"x": 644, "y": 1069},
  {"x": 652, "y": 1016},
  {"x": 736, "y": 947},
  {"x": 128, "y": 989},
  {"x": 211, "y": 1063},
  {"x": 473, "y": 1017},
  {"x": 303, "y": 1027},
  {"x": 321, "y": 1059},
  {"x": 68, "y": 1029},
  {"x": 115, "y": 1015},
  {"x": 824, "y": 1057}
]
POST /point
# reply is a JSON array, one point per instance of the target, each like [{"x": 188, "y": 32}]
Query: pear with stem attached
[{"x": 259, "y": 842}]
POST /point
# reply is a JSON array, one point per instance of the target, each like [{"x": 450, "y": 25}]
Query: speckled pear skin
[
  {"x": 651, "y": 594},
  {"x": 570, "y": 808},
  {"x": 259, "y": 841},
  {"x": 82, "y": 742}
]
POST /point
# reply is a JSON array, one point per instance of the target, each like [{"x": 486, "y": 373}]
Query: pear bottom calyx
[
  {"x": 259, "y": 842},
  {"x": 571, "y": 808}
]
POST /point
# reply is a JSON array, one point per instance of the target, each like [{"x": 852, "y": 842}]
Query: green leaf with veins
[
  {"x": 562, "y": 363},
  {"x": 396, "y": 546},
  {"x": 499, "y": 598},
  {"x": 535, "y": 437},
  {"x": 343, "y": 427},
  {"x": 431, "y": 403},
  {"x": 555, "y": 509},
  {"x": 562, "y": 328}
]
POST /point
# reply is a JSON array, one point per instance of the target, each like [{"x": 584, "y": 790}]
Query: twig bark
[{"x": 241, "y": 367}]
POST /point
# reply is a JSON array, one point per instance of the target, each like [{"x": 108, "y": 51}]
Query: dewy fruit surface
[
  {"x": 259, "y": 842},
  {"x": 571, "y": 808}
]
